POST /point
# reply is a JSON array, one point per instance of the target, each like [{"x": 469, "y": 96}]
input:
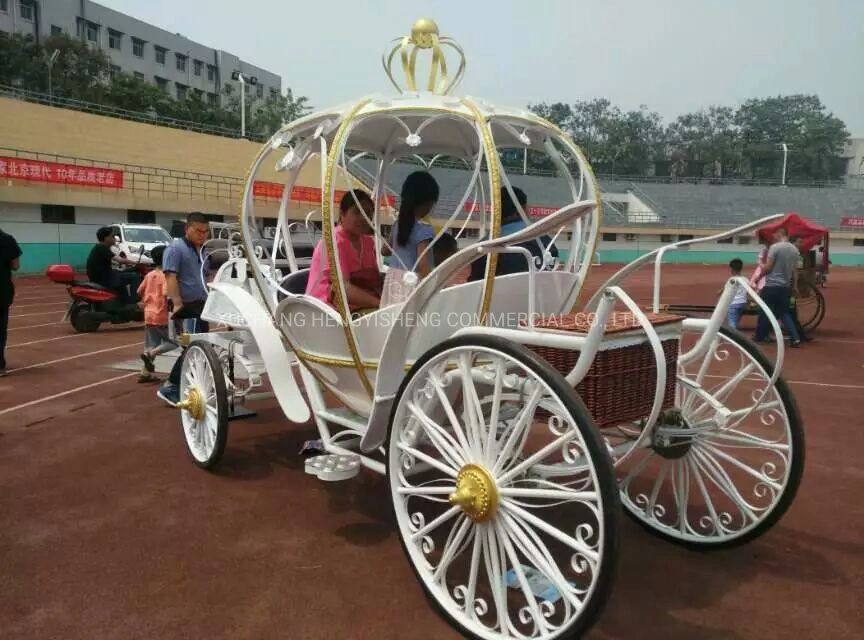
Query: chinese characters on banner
[
  {"x": 298, "y": 194},
  {"x": 855, "y": 223},
  {"x": 58, "y": 173},
  {"x": 531, "y": 212}
]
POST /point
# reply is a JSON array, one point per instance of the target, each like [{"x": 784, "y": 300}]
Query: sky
[{"x": 674, "y": 56}]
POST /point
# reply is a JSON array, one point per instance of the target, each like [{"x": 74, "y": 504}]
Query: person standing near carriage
[
  {"x": 183, "y": 266},
  {"x": 10, "y": 260},
  {"x": 780, "y": 284}
]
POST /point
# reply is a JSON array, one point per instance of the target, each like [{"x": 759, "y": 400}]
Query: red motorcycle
[{"x": 92, "y": 304}]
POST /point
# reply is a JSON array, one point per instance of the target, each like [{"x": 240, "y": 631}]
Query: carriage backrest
[{"x": 294, "y": 283}]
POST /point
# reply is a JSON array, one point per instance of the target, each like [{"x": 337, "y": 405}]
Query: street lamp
[
  {"x": 253, "y": 81},
  {"x": 785, "y": 148},
  {"x": 51, "y": 62}
]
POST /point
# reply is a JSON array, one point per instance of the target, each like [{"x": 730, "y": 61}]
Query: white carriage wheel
[
  {"x": 475, "y": 515},
  {"x": 706, "y": 485},
  {"x": 203, "y": 404}
]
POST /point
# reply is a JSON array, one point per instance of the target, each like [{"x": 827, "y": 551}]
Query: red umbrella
[{"x": 808, "y": 232}]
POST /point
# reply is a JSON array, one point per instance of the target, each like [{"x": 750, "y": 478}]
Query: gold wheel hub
[
  {"x": 476, "y": 493},
  {"x": 193, "y": 403}
]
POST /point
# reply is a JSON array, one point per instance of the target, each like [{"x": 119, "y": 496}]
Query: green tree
[
  {"x": 814, "y": 136},
  {"x": 279, "y": 110},
  {"x": 705, "y": 142}
]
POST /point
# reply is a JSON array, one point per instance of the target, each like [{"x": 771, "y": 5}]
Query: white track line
[
  {"x": 40, "y": 304},
  {"x": 812, "y": 384},
  {"x": 65, "y": 393},
  {"x": 27, "y": 344},
  {"x": 34, "y": 326},
  {"x": 77, "y": 355},
  {"x": 41, "y": 313}
]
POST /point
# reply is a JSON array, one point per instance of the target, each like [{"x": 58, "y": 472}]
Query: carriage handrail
[{"x": 657, "y": 255}]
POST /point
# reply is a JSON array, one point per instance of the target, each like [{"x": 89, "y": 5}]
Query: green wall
[{"x": 36, "y": 257}]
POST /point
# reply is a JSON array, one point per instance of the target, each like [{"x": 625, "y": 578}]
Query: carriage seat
[{"x": 293, "y": 283}]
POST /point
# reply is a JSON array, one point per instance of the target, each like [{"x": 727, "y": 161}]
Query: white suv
[{"x": 132, "y": 237}]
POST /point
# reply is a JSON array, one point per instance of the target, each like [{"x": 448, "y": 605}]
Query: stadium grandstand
[{"x": 68, "y": 169}]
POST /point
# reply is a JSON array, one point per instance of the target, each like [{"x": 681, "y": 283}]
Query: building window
[
  {"x": 744, "y": 240},
  {"x": 610, "y": 237},
  {"x": 138, "y": 216},
  {"x": 25, "y": 9},
  {"x": 198, "y": 67},
  {"x": 684, "y": 237},
  {"x": 260, "y": 90},
  {"x": 4, "y": 6},
  {"x": 114, "y": 39},
  {"x": 92, "y": 32},
  {"x": 211, "y": 72},
  {"x": 199, "y": 94},
  {"x": 58, "y": 214},
  {"x": 181, "y": 62},
  {"x": 162, "y": 83},
  {"x": 181, "y": 90},
  {"x": 160, "y": 54},
  {"x": 630, "y": 237},
  {"x": 212, "y": 99},
  {"x": 137, "y": 48},
  {"x": 666, "y": 238},
  {"x": 214, "y": 217},
  {"x": 55, "y": 30},
  {"x": 725, "y": 241},
  {"x": 274, "y": 93},
  {"x": 139, "y": 75},
  {"x": 858, "y": 242}
]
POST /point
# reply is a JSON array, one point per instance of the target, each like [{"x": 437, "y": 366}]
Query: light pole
[
  {"x": 253, "y": 81},
  {"x": 785, "y": 148},
  {"x": 51, "y": 62}
]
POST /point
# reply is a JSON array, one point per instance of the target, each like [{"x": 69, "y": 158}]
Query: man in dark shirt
[
  {"x": 10, "y": 260},
  {"x": 511, "y": 222},
  {"x": 99, "y": 268}
]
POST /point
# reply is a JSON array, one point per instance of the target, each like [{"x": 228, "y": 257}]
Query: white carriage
[{"x": 510, "y": 430}]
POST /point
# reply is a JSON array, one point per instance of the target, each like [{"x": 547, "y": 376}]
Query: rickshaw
[
  {"x": 510, "y": 423},
  {"x": 808, "y": 302}
]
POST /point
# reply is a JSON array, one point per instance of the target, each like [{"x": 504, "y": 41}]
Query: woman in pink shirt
[{"x": 355, "y": 250}]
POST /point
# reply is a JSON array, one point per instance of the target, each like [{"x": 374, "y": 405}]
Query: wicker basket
[{"x": 619, "y": 387}]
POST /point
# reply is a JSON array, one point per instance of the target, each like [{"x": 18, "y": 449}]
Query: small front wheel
[
  {"x": 505, "y": 499},
  {"x": 203, "y": 404}
]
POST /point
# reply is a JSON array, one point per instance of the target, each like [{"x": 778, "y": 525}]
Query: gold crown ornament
[{"x": 424, "y": 35}]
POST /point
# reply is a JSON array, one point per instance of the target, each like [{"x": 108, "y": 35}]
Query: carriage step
[
  {"x": 344, "y": 418},
  {"x": 333, "y": 467}
]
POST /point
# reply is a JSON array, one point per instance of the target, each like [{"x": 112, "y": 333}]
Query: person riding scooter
[{"x": 100, "y": 270}]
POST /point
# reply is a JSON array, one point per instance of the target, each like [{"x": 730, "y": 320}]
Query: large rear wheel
[{"x": 509, "y": 519}]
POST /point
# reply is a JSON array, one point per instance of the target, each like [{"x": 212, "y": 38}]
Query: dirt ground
[{"x": 107, "y": 529}]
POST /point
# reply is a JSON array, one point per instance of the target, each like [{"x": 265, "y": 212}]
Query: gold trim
[
  {"x": 495, "y": 230},
  {"x": 327, "y": 231},
  {"x": 424, "y": 35},
  {"x": 476, "y": 493},
  {"x": 193, "y": 403}
]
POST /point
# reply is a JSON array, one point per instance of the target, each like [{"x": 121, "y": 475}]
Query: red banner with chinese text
[
  {"x": 854, "y": 222},
  {"x": 532, "y": 212},
  {"x": 298, "y": 194},
  {"x": 58, "y": 173}
]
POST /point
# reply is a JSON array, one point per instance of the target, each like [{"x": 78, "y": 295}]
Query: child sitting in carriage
[
  {"x": 444, "y": 247},
  {"x": 355, "y": 250}
]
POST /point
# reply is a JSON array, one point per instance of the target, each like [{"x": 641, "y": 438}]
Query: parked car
[{"x": 131, "y": 237}]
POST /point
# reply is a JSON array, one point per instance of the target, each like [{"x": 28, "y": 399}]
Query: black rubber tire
[
  {"x": 815, "y": 318},
  {"x": 607, "y": 485},
  {"x": 221, "y": 403},
  {"x": 79, "y": 321},
  {"x": 796, "y": 464}
]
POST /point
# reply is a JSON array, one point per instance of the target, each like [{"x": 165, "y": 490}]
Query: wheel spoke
[{"x": 442, "y": 440}]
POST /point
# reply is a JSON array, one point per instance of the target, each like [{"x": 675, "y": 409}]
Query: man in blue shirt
[
  {"x": 184, "y": 264},
  {"x": 511, "y": 222}
]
